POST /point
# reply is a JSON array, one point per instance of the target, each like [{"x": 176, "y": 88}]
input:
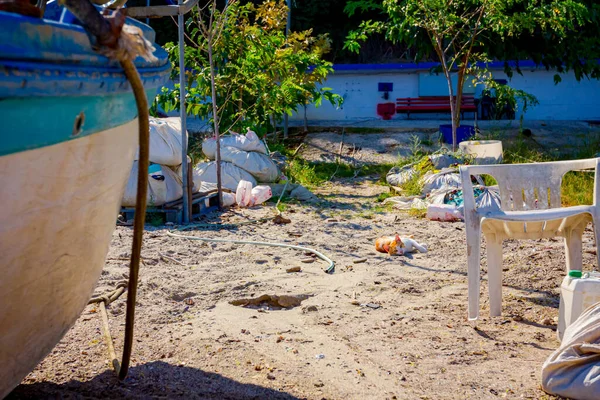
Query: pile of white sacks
[
  {"x": 165, "y": 174},
  {"x": 244, "y": 164}
]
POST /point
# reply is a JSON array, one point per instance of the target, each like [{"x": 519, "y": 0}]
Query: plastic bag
[
  {"x": 258, "y": 165},
  {"x": 248, "y": 142},
  {"x": 243, "y": 194},
  {"x": 228, "y": 199},
  {"x": 260, "y": 194},
  {"x": 572, "y": 370},
  {"x": 397, "y": 176},
  {"x": 205, "y": 176},
  {"x": 443, "y": 212},
  {"x": 164, "y": 185},
  {"x": 247, "y": 196},
  {"x": 441, "y": 161},
  {"x": 165, "y": 141},
  {"x": 445, "y": 179}
]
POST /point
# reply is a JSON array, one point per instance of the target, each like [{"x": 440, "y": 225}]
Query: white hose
[{"x": 323, "y": 257}]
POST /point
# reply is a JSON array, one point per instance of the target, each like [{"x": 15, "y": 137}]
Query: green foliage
[
  {"x": 259, "y": 71},
  {"x": 577, "y": 189},
  {"x": 385, "y": 195}
]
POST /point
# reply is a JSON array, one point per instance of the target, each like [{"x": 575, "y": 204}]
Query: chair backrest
[{"x": 527, "y": 186}]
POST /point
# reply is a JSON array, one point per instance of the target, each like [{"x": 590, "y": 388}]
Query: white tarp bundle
[
  {"x": 248, "y": 142},
  {"x": 446, "y": 179},
  {"x": 259, "y": 165},
  {"x": 165, "y": 141},
  {"x": 205, "y": 176},
  {"x": 398, "y": 176},
  {"x": 573, "y": 370},
  {"x": 164, "y": 185}
]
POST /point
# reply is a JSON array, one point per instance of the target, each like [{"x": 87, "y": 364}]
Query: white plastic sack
[
  {"x": 163, "y": 186},
  {"x": 243, "y": 194},
  {"x": 445, "y": 179},
  {"x": 205, "y": 176},
  {"x": 443, "y": 212},
  {"x": 260, "y": 194},
  {"x": 441, "y": 161},
  {"x": 397, "y": 176},
  {"x": 228, "y": 199},
  {"x": 248, "y": 142},
  {"x": 489, "y": 200},
  {"x": 165, "y": 141},
  {"x": 179, "y": 171},
  {"x": 247, "y": 196},
  {"x": 573, "y": 370},
  {"x": 258, "y": 165}
]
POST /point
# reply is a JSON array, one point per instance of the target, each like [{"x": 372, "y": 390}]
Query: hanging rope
[{"x": 124, "y": 43}]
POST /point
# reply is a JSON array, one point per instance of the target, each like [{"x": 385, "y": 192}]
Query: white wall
[{"x": 569, "y": 100}]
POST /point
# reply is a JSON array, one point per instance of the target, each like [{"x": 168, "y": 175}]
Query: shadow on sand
[{"x": 150, "y": 381}]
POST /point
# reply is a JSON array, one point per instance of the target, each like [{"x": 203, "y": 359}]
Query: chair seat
[
  {"x": 535, "y": 224},
  {"x": 537, "y": 215}
]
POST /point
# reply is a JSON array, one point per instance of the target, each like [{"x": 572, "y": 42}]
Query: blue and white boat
[{"x": 68, "y": 136}]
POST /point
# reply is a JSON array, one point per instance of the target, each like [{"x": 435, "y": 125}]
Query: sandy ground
[{"x": 380, "y": 327}]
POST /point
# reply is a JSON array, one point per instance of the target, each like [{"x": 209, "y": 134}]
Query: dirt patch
[{"x": 383, "y": 328}]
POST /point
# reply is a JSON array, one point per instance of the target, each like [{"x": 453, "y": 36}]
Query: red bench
[{"x": 433, "y": 104}]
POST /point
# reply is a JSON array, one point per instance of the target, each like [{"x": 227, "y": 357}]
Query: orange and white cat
[{"x": 395, "y": 245}]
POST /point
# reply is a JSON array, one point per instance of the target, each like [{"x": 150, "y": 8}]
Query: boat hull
[{"x": 59, "y": 207}]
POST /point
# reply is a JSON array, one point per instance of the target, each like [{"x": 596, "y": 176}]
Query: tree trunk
[
  {"x": 215, "y": 120},
  {"x": 453, "y": 108},
  {"x": 305, "y": 119}
]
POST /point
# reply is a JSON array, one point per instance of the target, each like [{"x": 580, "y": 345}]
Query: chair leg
[
  {"x": 494, "y": 264},
  {"x": 597, "y": 237},
  {"x": 573, "y": 249},
  {"x": 473, "y": 265}
]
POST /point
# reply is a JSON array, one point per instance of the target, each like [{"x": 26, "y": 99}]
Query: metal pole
[
  {"x": 182, "y": 115},
  {"x": 287, "y": 32},
  {"x": 147, "y": 5}
]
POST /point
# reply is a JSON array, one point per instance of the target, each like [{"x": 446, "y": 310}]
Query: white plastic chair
[{"x": 531, "y": 209}]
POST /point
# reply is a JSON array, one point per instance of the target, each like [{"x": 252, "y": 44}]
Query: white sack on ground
[
  {"x": 165, "y": 141},
  {"x": 205, "y": 176},
  {"x": 258, "y": 165},
  {"x": 248, "y": 142},
  {"x": 398, "y": 176},
  {"x": 445, "y": 179},
  {"x": 573, "y": 370},
  {"x": 160, "y": 190},
  {"x": 179, "y": 171}
]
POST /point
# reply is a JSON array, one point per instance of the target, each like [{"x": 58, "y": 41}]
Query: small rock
[
  {"x": 319, "y": 384},
  {"x": 355, "y": 303},
  {"x": 308, "y": 260},
  {"x": 320, "y": 356},
  {"x": 293, "y": 269},
  {"x": 271, "y": 377},
  {"x": 371, "y": 305},
  {"x": 360, "y": 260},
  {"x": 546, "y": 321},
  {"x": 312, "y": 308}
]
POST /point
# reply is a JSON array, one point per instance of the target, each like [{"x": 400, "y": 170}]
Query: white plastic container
[
  {"x": 484, "y": 151},
  {"x": 577, "y": 293},
  {"x": 443, "y": 212}
]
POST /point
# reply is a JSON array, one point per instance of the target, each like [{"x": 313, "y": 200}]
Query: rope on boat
[{"x": 124, "y": 43}]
